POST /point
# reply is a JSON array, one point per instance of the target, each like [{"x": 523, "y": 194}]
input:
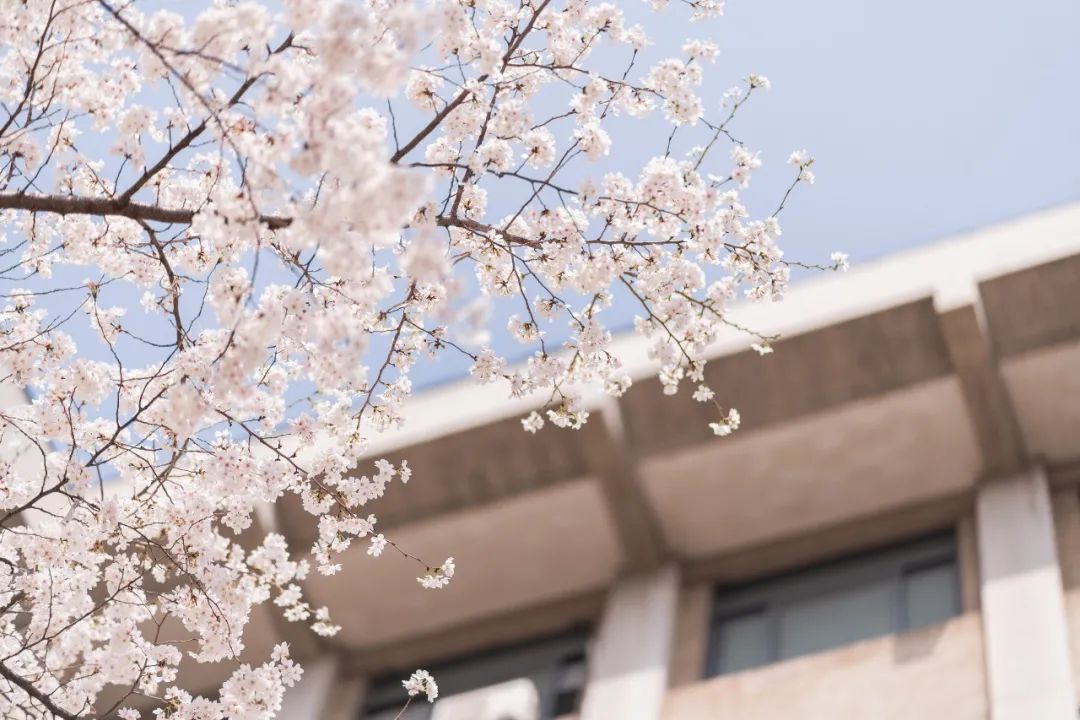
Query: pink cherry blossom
[{"x": 229, "y": 233}]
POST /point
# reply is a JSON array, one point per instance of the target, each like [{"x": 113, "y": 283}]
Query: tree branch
[
  {"x": 101, "y": 207},
  {"x": 28, "y": 687},
  {"x": 448, "y": 221}
]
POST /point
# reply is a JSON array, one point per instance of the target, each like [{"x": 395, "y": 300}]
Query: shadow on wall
[{"x": 917, "y": 644}]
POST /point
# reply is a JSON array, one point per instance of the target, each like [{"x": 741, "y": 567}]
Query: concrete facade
[
  {"x": 936, "y": 391},
  {"x": 1027, "y": 653}
]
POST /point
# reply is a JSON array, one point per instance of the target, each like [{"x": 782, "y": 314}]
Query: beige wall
[
  {"x": 792, "y": 478},
  {"x": 936, "y": 672}
]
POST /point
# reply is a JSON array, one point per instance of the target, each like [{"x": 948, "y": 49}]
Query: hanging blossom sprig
[{"x": 228, "y": 235}]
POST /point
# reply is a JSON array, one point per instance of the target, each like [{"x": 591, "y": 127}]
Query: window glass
[
  {"x": 872, "y": 594},
  {"x": 835, "y": 618},
  {"x": 569, "y": 683},
  {"x": 931, "y": 595},
  {"x": 743, "y": 642}
]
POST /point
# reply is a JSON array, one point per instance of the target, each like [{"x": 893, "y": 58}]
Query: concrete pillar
[
  {"x": 628, "y": 665},
  {"x": 323, "y": 694},
  {"x": 693, "y": 614},
  {"x": 1027, "y": 654}
]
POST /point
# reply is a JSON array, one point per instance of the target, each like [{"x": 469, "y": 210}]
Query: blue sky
[{"x": 927, "y": 118}]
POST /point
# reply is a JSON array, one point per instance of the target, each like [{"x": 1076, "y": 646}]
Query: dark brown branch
[
  {"x": 482, "y": 229},
  {"x": 102, "y": 207},
  {"x": 28, "y": 687}
]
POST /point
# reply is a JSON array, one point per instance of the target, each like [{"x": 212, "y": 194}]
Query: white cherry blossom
[{"x": 230, "y": 231}]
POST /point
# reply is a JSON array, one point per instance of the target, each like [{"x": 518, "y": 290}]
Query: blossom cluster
[
  {"x": 229, "y": 234},
  {"x": 421, "y": 682}
]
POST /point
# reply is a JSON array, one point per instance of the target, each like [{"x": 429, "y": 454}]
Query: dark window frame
[
  {"x": 547, "y": 657},
  {"x": 769, "y": 597}
]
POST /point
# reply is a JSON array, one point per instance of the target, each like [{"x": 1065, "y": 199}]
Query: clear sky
[{"x": 927, "y": 117}]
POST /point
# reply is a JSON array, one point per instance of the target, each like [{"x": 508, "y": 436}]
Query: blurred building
[{"x": 894, "y": 532}]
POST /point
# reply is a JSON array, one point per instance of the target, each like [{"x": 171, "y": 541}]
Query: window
[
  {"x": 879, "y": 593},
  {"x": 556, "y": 666}
]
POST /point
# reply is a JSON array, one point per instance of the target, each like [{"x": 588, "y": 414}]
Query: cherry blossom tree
[{"x": 227, "y": 233}]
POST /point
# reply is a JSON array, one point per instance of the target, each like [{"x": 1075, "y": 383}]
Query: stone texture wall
[{"x": 936, "y": 672}]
